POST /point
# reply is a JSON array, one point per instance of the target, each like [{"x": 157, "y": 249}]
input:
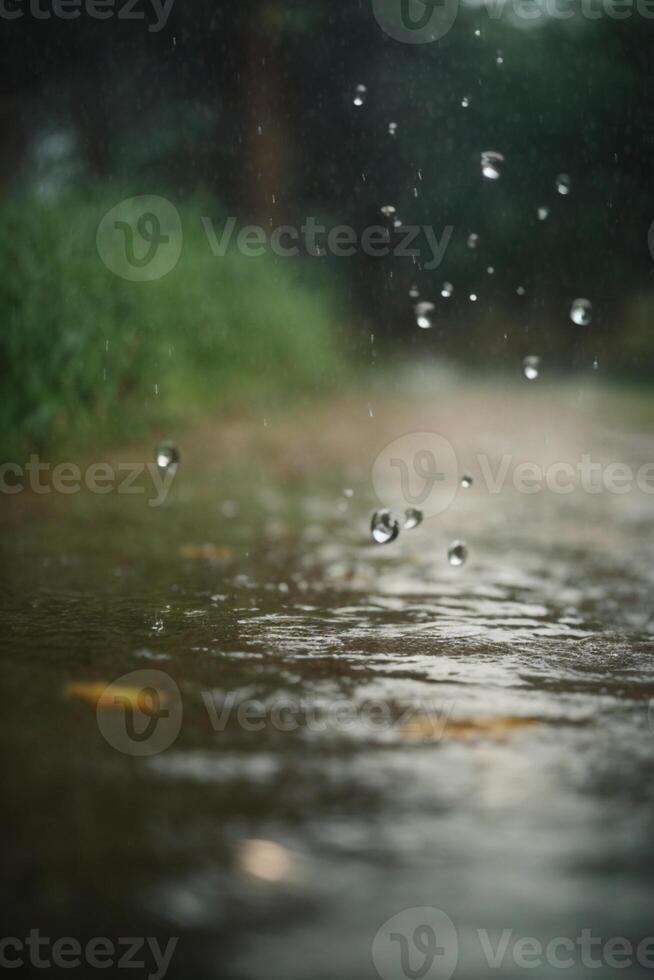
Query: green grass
[{"x": 83, "y": 351}]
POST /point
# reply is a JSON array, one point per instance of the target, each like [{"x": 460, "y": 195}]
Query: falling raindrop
[
  {"x": 543, "y": 213},
  {"x": 465, "y": 101},
  {"x": 500, "y": 58},
  {"x": 490, "y": 270},
  {"x": 446, "y": 290},
  {"x": 531, "y": 367},
  {"x": 473, "y": 297},
  {"x": 563, "y": 184},
  {"x": 457, "y": 553},
  {"x": 581, "y": 312},
  {"x": 521, "y": 290},
  {"x": 384, "y": 527},
  {"x": 348, "y": 492},
  {"x": 424, "y": 315},
  {"x": 392, "y": 128},
  {"x": 414, "y": 292},
  {"x": 360, "y": 95},
  {"x": 466, "y": 481},
  {"x": 491, "y": 164},
  {"x": 473, "y": 240},
  {"x": 167, "y": 457},
  {"x": 477, "y": 32},
  {"x": 387, "y": 210},
  {"x": 595, "y": 364},
  {"x": 412, "y": 518}
]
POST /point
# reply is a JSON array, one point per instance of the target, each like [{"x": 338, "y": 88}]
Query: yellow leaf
[
  {"x": 102, "y": 694},
  {"x": 433, "y": 728}
]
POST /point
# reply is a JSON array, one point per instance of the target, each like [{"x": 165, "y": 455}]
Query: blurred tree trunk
[{"x": 266, "y": 152}]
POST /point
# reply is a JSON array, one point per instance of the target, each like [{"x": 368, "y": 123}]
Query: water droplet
[
  {"x": 412, "y": 518},
  {"x": 446, "y": 290},
  {"x": 387, "y": 210},
  {"x": 531, "y": 367},
  {"x": 521, "y": 290},
  {"x": 465, "y": 102},
  {"x": 595, "y": 364},
  {"x": 392, "y": 128},
  {"x": 457, "y": 553},
  {"x": 425, "y": 315},
  {"x": 581, "y": 312},
  {"x": 466, "y": 481},
  {"x": 491, "y": 164},
  {"x": 414, "y": 292},
  {"x": 473, "y": 297},
  {"x": 543, "y": 213},
  {"x": 167, "y": 457},
  {"x": 473, "y": 240},
  {"x": 490, "y": 270},
  {"x": 360, "y": 95},
  {"x": 348, "y": 492},
  {"x": 384, "y": 527},
  {"x": 477, "y": 32},
  {"x": 500, "y": 58},
  {"x": 563, "y": 184}
]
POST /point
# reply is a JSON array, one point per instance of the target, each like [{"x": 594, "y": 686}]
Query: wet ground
[{"x": 355, "y": 730}]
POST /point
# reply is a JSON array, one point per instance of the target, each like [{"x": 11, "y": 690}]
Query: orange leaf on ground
[{"x": 433, "y": 728}]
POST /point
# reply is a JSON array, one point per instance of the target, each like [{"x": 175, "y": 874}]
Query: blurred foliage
[{"x": 84, "y": 353}]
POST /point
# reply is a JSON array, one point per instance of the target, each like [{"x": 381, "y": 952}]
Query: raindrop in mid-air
[
  {"x": 412, "y": 518},
  {"x": 563, "y": 184},
  {"x": 414, "y": 292},
  {"x": 360, "y": 95},
  {"x": 531, "y": 367},
  {"x": 392, "y": 128},
  {"x": 167, "y": 457},
  {"x": 425, "y": 315},
  {"x": 491, "y": 164},
  {"x": 581, "y": 312},
  {"x": 466, "y": 481},
  {"x": 446, "y": 290},
  {"x": 543, "y": 213},
  {"x": 457, "y": 553},
  {"x": 384, "y": 527},
  {"x": 473, "y": 240}
]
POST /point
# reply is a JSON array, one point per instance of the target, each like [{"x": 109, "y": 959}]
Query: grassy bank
[{"x": 88, "y": 356}]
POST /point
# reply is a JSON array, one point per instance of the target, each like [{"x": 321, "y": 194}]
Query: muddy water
[{"x": 360, "y": 730}]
